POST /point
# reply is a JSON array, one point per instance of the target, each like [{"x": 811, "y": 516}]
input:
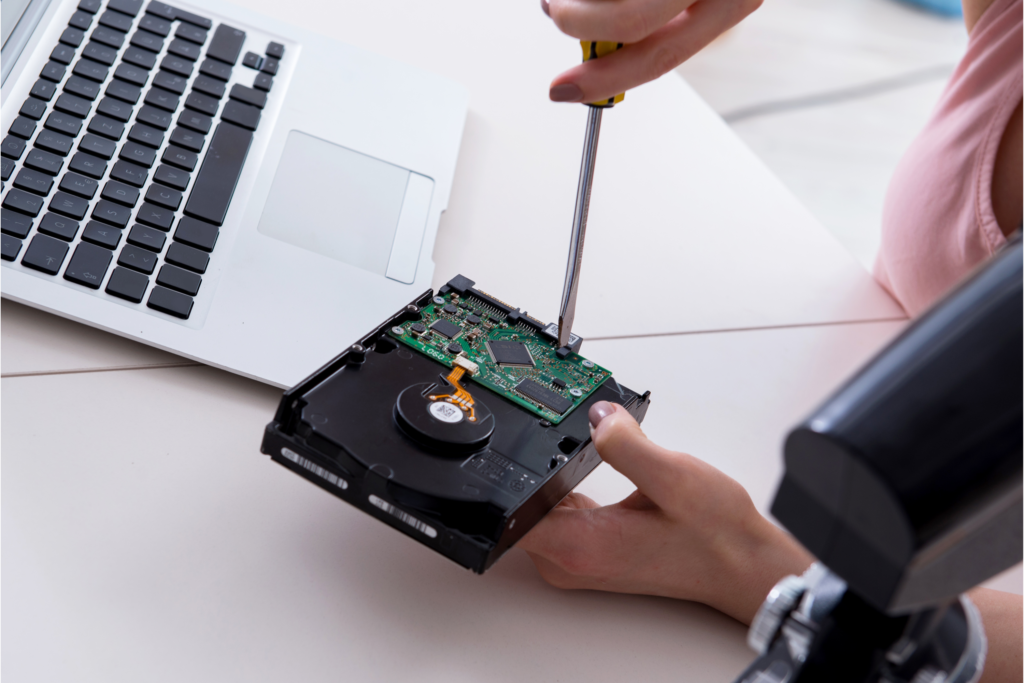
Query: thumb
[{"x": 656, "y": 471}]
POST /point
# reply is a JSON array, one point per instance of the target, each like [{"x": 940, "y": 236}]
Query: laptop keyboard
[{"x": 119, "y": 170}]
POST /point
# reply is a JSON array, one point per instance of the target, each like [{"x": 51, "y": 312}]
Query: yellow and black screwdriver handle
[{"x": 592, "y": 49}]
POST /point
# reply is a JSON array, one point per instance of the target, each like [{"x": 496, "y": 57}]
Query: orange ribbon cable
[{"x": 461, "y": 397}]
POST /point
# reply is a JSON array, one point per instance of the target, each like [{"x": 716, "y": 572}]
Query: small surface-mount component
[
  {"x": 450, "y": 309},
  {"x": 445, "y": 328},
  {"x": 418, "y": 328},
  {"x": 559, "y": 382},
  {"x": 512, "y": 353},
  {"x": 544, "y": 396},
  {"x": 473, "y": 319},
  {"x": 455, "y": 348}
]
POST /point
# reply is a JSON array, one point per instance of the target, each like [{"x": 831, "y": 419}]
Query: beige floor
[{"x": 879, "y": 66}]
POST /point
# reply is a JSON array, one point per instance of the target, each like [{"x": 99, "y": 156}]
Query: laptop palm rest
[{"x": 347, "y": 206}]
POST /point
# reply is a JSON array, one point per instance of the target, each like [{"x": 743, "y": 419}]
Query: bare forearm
[{"x": 1001, "y": 613}]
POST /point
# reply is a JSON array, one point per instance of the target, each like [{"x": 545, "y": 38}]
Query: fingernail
[
  {"x": 544, "y": 6},
  {"x": 566, "y": 92},
  {"x": 600, "y": 411}
]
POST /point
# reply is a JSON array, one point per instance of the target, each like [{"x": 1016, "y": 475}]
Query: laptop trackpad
[{"x": 348, "y": 206}]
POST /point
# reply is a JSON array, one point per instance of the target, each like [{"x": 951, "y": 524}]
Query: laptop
[{"x": 216, "y": 184}]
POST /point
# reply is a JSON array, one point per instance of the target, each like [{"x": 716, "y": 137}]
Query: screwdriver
[{"x": 591, "y": 50}]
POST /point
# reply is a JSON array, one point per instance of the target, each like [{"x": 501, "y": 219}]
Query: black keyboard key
[
  {"x": 226, "y": 44},
  {"x": 58, "y": 226},
  {"x": 69, "y": 205},
  {"x": 270, "y": 66},
  {"x": 191, "y": 33},
  {"x": 130, "y": 7},
  {"x": 63, "y": 123},
  {"x": 127, "y": 284},
  {"x": 170, "y": 302},
  {"x": 209, "y": 86},
  {"x": 187, "y": 257},
  {"x": 97, "y": 146},
  {"x": 155, "y": 216},
  {"x": 124, "y": 91},
  {"x": 80, "y": 20},
  {"x": 182, "y": 158},
  {"x": 163, "y": 196},
  {"x": 211, "y": 67},
  {"x": 63, "y": 54},
  {"x": 101, "y": 234},
  {"x": 116, "y": 20},
  {"x": 248, "y": 95},
  {"x": 171, "y": 177},
  {"x": 149, "y": 238},
  {"x": 109, "y": 212},
  {"x": 146, "y": 135},
  {"x": 188, "y": 139},
  {"x": 184, "y": 49},
  {"x": 33, "y": 181},
  {"x": 83, "y": 87},
  {"x": 169, "y": 81},
  {"x": 45, "y": 253},
  {"x": 132, "y": 74},
  {"x": 114, "y": 109},
  {"x": 152, "y": 116},
  {"x": 156, "y": 25},
  {"x": 120, "y": 193},
  {"x": 108, "y": 36},
  {"x": 177, "y": 65},
  {"x": 244, "y": 115},
  {"x": 215, "y": 184},
  {"x": 9, "y": 247},
  {"x": 179, "y": 279},
  {"x": 100, "y": 53},
  {"x": 139, "y": 57},
  {"x": 88, "y": 265},
  {"x": 202, "y": 103},
  {"x": 142, "y": 260},
  {"x": 162, "y": 99},
  {"x": 147, "y": 41},
  {"x": 43, "y": 90},
  {"x": 12, "y": 147},
  {"x": 263, "y": 82},
  {"x": 79, "y": 184},
  {"x": 6, "y": 167},
  {"x": 72, "y": 37},
  {"x": 33, "y": 109},
  {"x": 88, "y": 165},
  {"x": 194, "y": 19},
  {"x": 58, "y": 143},
  {"x": 108, "y": 128},
  {"x": 275, "y": 50},
  {"x": 22, "y": 127},
  {"x": 94, "y": 71},
  {"x": 129, "y": 173},
  {"x": 90, "y": 6},
  {"x": 14, "y": 223},
  {"x": 52, "y": 71},
  {"x": 159, "y": 9},
  {"x": 44, "y": 161},
  {"x": 23, "y": 202},
  {"x": 138, "y": 154},
  {"x": 74, "y": 105},
  {"x": 252, "y": 60},
  {"x": 196, "y": 233},
  {"x": 200, "y": 123}
]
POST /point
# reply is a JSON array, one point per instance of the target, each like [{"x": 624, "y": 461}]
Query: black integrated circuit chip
[
  {"x": 544, "y": 396},
  {"x": 510, "y": 353},
  {"x": 445, "y": 328}
]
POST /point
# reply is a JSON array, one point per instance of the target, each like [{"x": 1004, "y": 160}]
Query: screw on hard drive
[
  {"x": 438, "y": 300},
  {"x": 575, "y": 392},
  {"x": 398, "y": 330}
]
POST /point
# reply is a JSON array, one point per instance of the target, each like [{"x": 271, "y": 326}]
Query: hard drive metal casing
[{"x": 338, "y": 429}]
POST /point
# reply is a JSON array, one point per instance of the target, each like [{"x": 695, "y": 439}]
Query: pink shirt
[{"x": 938, "y": 222}]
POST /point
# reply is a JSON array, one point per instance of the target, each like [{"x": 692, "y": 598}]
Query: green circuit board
[{"x": 516, "y": 358}]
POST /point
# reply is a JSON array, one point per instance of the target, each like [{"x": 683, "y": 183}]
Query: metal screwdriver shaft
[
  {"x": 579, "y": 227},
  {"x": 567, "y": 311}
]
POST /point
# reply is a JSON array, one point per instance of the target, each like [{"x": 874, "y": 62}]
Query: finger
[
  {"x": 659, "y": 53},
  {"x": 619, "y": 21},
  {"x": 564, "y": 519},
  {"x": 660, "y": 474}
]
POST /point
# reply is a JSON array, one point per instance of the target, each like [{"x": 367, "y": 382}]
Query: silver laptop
[{"x": 216, "y": 184}]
